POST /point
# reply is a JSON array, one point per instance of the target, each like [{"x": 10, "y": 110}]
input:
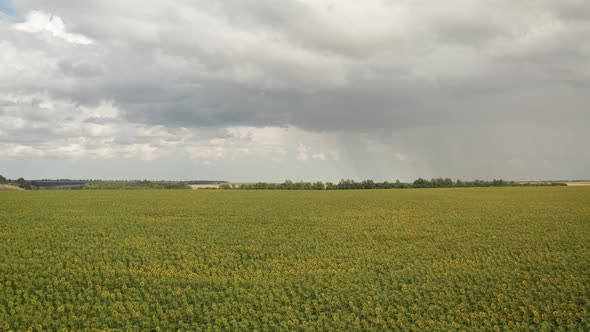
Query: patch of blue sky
[{"x": 7, "y": 8}]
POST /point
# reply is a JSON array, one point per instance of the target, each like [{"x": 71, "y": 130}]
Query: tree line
[
  {"x": 287, "y": 185},
  {"x": 370, "y": 184}
]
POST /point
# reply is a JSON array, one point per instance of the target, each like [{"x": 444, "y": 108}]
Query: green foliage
[
  {"x": 3, "y": 180},
  {"x": 23, "y": 183},
  {"x": 447, "y": 259},
  {"x": 370, "y": 184},
  {"x": 136, "y": 185}
]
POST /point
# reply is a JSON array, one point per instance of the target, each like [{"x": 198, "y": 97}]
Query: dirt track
[{"x": 9, "y": 187}]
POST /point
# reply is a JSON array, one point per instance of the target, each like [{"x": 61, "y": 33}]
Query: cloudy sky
[{"x": 265, "y": 90}]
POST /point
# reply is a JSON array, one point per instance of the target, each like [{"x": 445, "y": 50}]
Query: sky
[{"x": 295, "y": 89}]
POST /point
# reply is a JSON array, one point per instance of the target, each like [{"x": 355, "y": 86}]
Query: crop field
[{"x": 416, "y": 259}]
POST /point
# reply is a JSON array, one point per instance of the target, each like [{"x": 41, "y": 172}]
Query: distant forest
[
  {"x": 287, "y": 185},
  {"x": 370, "y": 184}
]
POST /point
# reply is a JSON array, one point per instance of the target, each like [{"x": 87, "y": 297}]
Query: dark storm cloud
[{"x": 204, "y": 104}]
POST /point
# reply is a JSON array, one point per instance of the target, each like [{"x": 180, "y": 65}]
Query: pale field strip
[
  {"x": 9, "y": 187},
  {"x": 205, "y": 186},
  {"x": 577, "y": 184}
]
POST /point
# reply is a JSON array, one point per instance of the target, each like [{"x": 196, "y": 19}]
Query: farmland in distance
[{"x": 472, "y": 258}]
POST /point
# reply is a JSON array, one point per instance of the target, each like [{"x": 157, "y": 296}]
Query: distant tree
[
  {"x": 3, "y": 180},
  {"x": 349, "y": 184},
  {"x": 343, "y": 184},
  {"x": 331, "y": 186},
  {"x": 447, "y": 182},
  {"x": 23, "y": 183},
  {"x": 499, "y": 183},
  {"x": 318, "y": 186},
  {"x": 262, "y": 185},
  {"x": 422, "y": 183},
  {"x": 368, "y": 184}
]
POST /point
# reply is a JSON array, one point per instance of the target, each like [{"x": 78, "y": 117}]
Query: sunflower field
[{"x": 499, "y": 259}]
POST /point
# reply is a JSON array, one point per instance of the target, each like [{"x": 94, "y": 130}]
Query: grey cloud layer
[{"x": 408, "y": 83}]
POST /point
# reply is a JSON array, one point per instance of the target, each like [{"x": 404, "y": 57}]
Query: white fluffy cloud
[{"x": 40, "y": 22}]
